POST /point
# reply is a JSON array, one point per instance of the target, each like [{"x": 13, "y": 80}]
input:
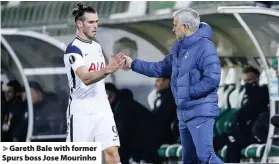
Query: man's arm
[
  {"x": 77, "y": 64},
  {"x": 154, "y": 69},
  {"x": 210, "y": 68},
  {"x": 89, "y": 78}
]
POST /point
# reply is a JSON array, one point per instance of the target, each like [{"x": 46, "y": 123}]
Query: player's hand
[
  {"x": 127, "y": 62},
  {"x": 116, "y": 61},
  {"x": 119, "y": 58}
]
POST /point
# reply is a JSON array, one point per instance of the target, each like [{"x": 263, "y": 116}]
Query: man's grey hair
[{"x": 188, "y": 16}]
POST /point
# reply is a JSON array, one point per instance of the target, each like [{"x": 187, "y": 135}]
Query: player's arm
[
  {"x": 152, "y": 69},
  {"x": 89, "y": 78}
]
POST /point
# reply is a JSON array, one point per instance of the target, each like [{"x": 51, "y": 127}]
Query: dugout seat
[
  {"x": 257, "y": 150},
  {"x": 230, "y": 84},
  {"x": 222, "y": 122},
  {"x": 263, "y": 78},
  {"x": 241, "y": 94},
  {"x": 151, "y": 99},
  {"x": 254, "y": 151},
  {"x": 220, "y": 92},
  {"x": 170, "y": 151},
  {"x": 233, "y": 97}
]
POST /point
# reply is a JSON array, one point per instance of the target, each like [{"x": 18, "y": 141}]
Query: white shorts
[{"x": 92, "y": 126}]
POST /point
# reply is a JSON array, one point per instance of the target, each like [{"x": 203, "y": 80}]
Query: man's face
[
  {"x": 250, "y": 78},
  {"x": 9, "y": 93},
  {"x": 161, "y": 84},
  {"x": 36, "y": 95},
  {"x": 179, "y": 29},
  {"x": 89, "y": 25}
]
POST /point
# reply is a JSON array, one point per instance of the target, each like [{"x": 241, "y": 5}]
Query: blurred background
[{"x": 35, "y": 92}]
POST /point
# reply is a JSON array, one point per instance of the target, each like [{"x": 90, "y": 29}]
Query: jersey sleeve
[{"x": 75, "y": 57}]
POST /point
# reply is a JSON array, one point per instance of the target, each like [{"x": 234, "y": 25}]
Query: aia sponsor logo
[{"x": 97, "y": 66}]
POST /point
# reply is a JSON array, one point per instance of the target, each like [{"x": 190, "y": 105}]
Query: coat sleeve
[
  {"x": 210, "y": 69},
  {"x": 154, "y": 69}
]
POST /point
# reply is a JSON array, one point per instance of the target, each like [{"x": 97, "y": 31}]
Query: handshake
[{"x": 118, "y": 61}]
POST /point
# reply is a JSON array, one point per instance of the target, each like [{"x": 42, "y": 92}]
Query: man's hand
[
  {"x": 116, "y": 61},
  {"x": 127, "y": 62}
]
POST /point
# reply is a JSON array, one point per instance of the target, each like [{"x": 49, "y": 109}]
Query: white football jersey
[{"x": 89, "y": 53}]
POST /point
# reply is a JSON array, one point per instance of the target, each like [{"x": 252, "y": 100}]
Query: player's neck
[{"x": 81, "y": 36}]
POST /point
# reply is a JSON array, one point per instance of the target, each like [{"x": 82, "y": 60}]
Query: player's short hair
[
  {"x": 78, "y": 12},
  {"x": 249, "y": 69}
]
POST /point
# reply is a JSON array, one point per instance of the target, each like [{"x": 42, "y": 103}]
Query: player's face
[
  {"x": 179, "y": 29},
  {"x": 90, "y": 25}
]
